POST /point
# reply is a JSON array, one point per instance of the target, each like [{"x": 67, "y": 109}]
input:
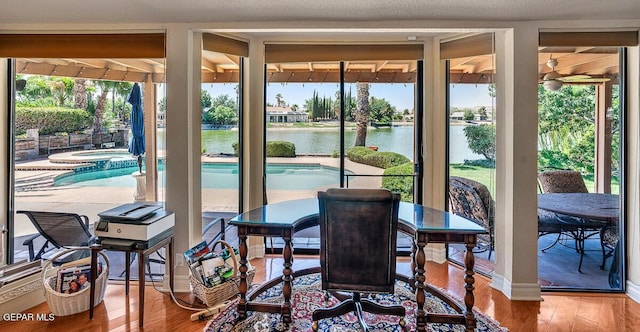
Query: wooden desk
[
  {"x": 143, "y": 249},
  {"x": 425, "y": 225}
]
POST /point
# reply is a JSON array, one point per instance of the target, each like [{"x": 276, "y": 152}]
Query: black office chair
[
  {"x": 59, "y": 229},
  {"x": 358, "y": 234}
]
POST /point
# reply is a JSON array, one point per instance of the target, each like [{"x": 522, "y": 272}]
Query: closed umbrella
[{"x": 136, "y": 143}]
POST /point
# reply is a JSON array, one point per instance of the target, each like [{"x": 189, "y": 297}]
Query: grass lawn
[{"x": 487, "y": 177}]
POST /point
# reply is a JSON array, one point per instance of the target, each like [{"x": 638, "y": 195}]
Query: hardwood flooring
[{"x": 558, "y": 312}]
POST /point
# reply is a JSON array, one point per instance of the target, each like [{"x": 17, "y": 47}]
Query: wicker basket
[
  {"x": 68, "y": 304},
  {"x": 226, "y": 290}
]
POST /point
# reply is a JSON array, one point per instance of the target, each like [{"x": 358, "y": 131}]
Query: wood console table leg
[
  {"x": 170, "y": 261},
  {"x": 287, "y": 277},
  {"x": 242, "y": 287},
  {"x": 420, "y": 259},
  {"x": 469, "y": 261}
]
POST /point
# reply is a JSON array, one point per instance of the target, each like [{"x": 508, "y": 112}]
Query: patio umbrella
[{"x": 136, "y": 143}]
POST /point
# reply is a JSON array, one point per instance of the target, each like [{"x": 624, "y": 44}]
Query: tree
[
  {"x": 468, "y": 115},
  {"x": 380, "y": 110},
  {"x": 205, "y": 99},
  {"x": 482, "y": 140},
  {"x": 362, "y": 113},
  {"x": 98, "y": 116},
  {"x": 279, "y": 100},
  {"x": 61, "y": 89},
  {"x": 220, "y": 114},
  {"x": 566, "y": 128},
  {"x": 80, "y": 93}
]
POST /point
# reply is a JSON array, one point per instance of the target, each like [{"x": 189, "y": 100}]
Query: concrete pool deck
[{"x": 35, "y": 190}]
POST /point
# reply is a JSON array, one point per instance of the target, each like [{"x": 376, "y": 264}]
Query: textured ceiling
[{"x": 160, "y": 11}]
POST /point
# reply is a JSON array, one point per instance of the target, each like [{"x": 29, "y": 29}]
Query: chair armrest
[
  {"x": 29, "y": 243},
  {"x": 86, "y": 220}
]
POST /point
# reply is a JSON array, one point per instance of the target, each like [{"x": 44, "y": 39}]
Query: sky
[{"x": 398, "y": 94}]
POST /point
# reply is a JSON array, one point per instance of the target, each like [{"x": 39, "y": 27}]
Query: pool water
[{"x": 216, "y": 176}]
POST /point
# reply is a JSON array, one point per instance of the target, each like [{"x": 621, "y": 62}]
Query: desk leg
[
  {"x": 469, "y": 261},
  {"x": 127, "y": 271},
  {"x": 242, "y": 287},
  {"x": 170, "y": 261},
  {"x": 418, "y": 262},
  {"x": 141, "y": 281},
  {"x": 92, "y": 283},
  {"x": 287, "y": 277}
]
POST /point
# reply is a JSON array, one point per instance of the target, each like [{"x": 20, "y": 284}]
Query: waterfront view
[{"x": 325, "y": 141}]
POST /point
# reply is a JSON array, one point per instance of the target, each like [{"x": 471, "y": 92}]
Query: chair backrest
[
  {"x": 472, "y": 200},
  {"x": 358, "y": 235},
  {"x": 562, "y": 181},
  {"x": 61, "y": 229}
]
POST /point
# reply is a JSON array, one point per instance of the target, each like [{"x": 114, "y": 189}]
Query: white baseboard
[
  {"x": 436, "y": 253},
  {"x": 181, "y": 284},
  {"x": 517, "y": 291},
  {"x": 633, "y": 291}
]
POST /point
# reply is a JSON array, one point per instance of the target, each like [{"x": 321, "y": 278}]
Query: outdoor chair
[
  {"x": 358, "y": 234},
  {"x": 558, "y": 181},
  {"x": 566, "y": 181},
  {"x": 59, "y": 229},
  {"x": 472, "y": 200},
  {"x": 608, "y": 240}
]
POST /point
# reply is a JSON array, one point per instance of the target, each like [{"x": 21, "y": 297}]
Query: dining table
[
  {"x": 582, "y": 214},
  {"x": 424, "y": 224}
]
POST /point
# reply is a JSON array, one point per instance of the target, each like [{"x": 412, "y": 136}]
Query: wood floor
[{"x": 558, "y": 312}]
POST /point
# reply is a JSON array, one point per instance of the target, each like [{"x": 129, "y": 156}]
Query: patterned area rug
[{"x": 307, "y": 296}]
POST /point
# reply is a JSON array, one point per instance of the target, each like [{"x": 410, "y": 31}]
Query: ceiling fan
[{"x": 553, "y": 81}]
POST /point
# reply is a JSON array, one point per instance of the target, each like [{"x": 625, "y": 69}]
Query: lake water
[{"x": 327, "y": 140}]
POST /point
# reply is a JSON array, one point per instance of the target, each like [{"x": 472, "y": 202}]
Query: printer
[{"x": 134, "y": 222}]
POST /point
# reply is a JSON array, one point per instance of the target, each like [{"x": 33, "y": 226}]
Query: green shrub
[
  {"x": 274, "y": 149},
  {"x": 363, "y": 155},
  {"x": 280, "y": 149},
  {"x": 400, "y": 184},
  {"x": 385, "y": 159},
  {"x": 50, "y": 120},
  {"x": 357, "y": 153},
  {"x": 235, "y": 146}
]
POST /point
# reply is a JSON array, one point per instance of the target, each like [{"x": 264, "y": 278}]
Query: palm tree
[
  {"x": 80, "y": 93},
  {"x": 362, "y": 113},
  {"x": 279, "y": 100},
  {"x": 105, "y": 86}
]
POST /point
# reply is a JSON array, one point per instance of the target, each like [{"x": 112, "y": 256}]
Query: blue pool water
[{"x": 216, "y": 176}]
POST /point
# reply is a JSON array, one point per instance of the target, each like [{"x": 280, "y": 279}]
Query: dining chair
[
  {"x": 472, "y": 200},
  {"x": 59, "y": 229},
  {"x": 358, "y": 234}
]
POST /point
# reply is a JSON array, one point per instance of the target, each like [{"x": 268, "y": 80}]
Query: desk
[
  {"x": 143, "y": 249},
  {"x": 592, "y": 211},
  {"x": 424, "y": 224}
]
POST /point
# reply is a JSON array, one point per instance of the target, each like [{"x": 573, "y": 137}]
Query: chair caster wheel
[{"x": 314, "y": 326}]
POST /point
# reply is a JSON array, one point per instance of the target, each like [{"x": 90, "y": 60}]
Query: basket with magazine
[
  {"x": 214, "y": 274},
  {"x": 66, "y": 287}
]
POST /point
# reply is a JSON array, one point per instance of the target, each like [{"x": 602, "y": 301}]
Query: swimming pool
[{"x": 216, "y": 176}]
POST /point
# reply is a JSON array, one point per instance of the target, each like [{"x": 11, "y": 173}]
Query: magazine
[
  {"x": 74, "y": 278},
  {"x": 194, "y": 253}
]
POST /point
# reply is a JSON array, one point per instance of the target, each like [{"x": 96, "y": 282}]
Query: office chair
[{"x": 358, "y": 235}]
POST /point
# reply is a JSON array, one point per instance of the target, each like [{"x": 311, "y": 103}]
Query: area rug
[{"x": 307, "y": 296}]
